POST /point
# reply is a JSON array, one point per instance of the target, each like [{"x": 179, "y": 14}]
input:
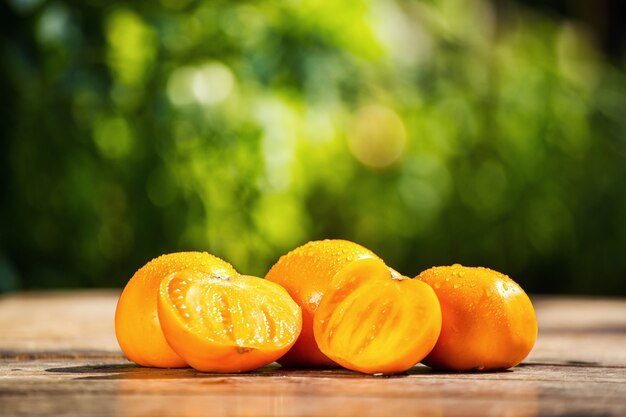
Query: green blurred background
[{"x": 482, "y": 132}]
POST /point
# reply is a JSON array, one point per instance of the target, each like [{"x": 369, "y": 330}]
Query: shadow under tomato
[
  {"x": 132, "y": 371},
  {"x": 424, "y": 370}
]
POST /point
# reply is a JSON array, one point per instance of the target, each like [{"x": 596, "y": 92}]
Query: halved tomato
[
  {"x": 373, "y": 320},
  {"x": 227, "y": 324}
]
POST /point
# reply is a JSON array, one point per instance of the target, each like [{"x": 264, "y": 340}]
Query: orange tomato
[
  {"x": 227, "y": 323},
  {"x": 137, "y": 325},
  {"x": 373, "y": 320},
  {"x": 488, "y": 320},
  {"x": 305, "y": 273}
]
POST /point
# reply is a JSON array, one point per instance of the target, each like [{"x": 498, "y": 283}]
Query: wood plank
[
  {"x": 59, "y": 357},
  {"x": 75, "y": 321}
]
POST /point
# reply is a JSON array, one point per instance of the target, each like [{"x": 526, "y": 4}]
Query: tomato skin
[
  {"x": 146, "y": 347},
  {"x": 488, "y": 321}
]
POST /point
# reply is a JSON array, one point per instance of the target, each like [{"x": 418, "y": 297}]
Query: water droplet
[{"x": 395, "y": 275}]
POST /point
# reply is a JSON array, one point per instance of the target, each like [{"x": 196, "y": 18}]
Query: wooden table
[{"x": 59, "y": 356}]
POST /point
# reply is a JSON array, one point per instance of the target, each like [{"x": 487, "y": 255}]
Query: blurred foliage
[{"x": 431, "y": 132}]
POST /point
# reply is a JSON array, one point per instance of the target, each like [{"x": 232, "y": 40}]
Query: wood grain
[{"x": 58, "y": 356}]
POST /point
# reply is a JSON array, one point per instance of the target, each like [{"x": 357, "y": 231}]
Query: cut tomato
[
  {"x": 374, "y": 320},
  {"x": 227, "y": 324}
]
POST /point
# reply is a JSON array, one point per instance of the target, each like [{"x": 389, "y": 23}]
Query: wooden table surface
[{"x": 59, "y": 356}]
